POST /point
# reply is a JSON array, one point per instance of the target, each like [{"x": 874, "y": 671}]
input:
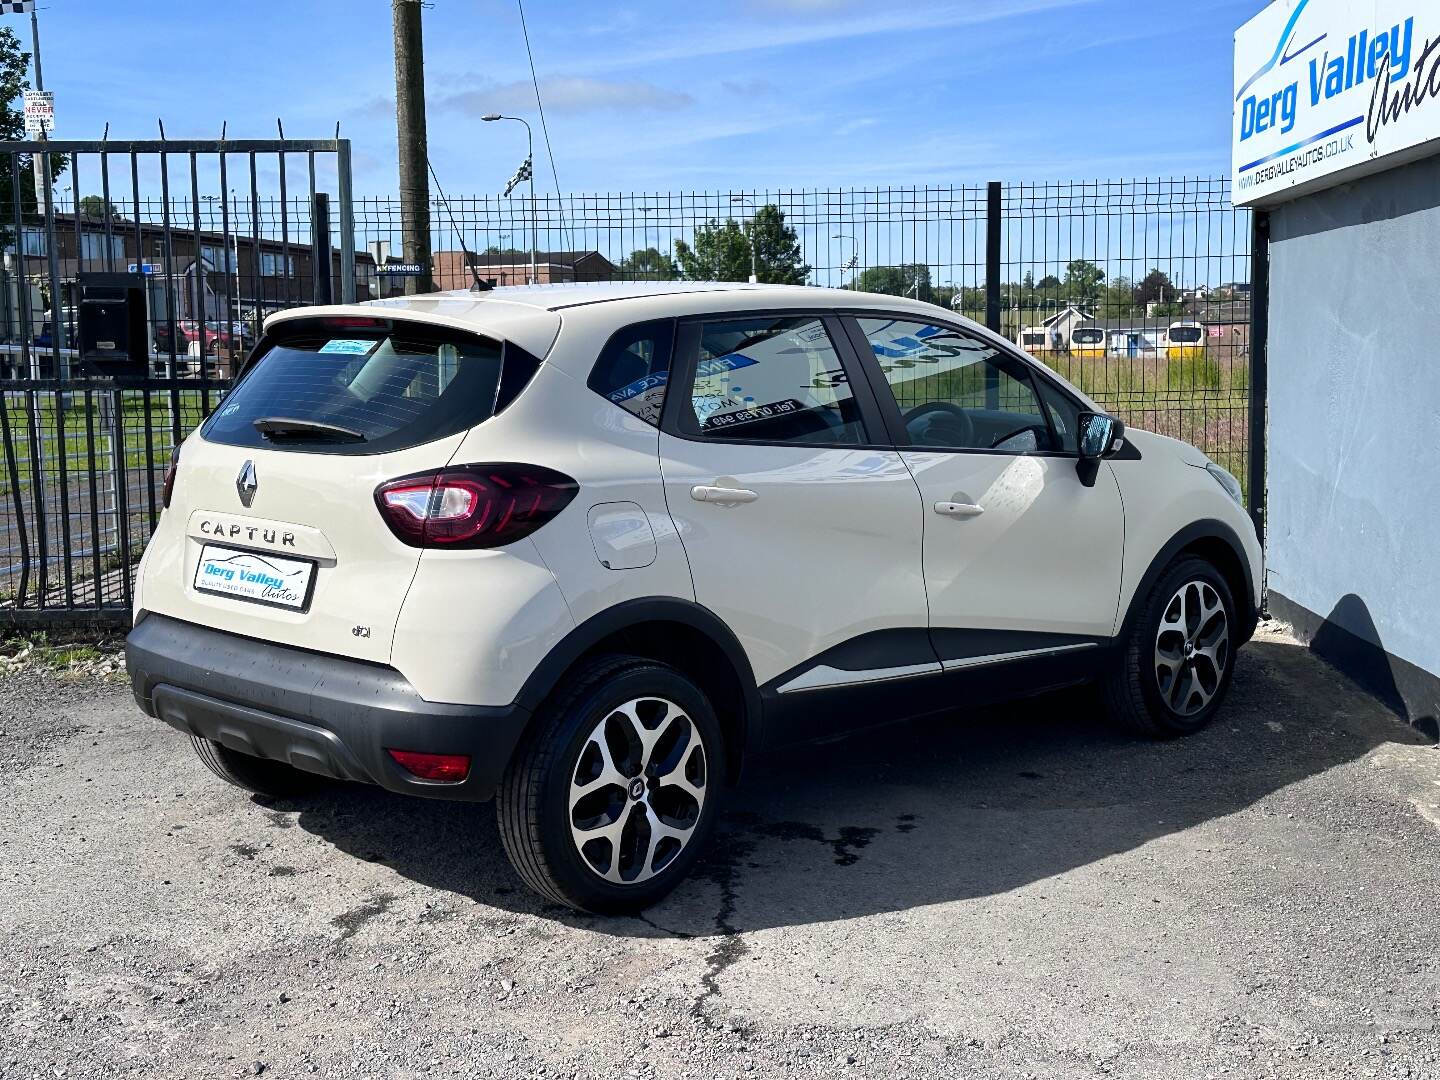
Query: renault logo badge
[{"x": 246, "y": 484}]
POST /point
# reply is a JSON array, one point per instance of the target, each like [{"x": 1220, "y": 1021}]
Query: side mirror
[{"x": 1101, "y": 436}]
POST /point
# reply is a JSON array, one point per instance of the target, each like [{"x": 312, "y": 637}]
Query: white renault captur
[{"x": 589, "y": 547}]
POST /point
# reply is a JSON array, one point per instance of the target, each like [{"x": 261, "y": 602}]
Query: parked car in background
[
  {"x": 166, "y": 341},
  {"x": 46, "y": 337},
  {"x": 1087, "y": 341},
  {"x": 1184, "y": 339},
  {"x": 588, "y": 548},
  {"x": 215, "y": 335}
]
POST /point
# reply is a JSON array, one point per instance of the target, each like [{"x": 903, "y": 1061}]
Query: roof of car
[
  {"x": 530, "y": 315},
  {"x": 576, "y": 294}
]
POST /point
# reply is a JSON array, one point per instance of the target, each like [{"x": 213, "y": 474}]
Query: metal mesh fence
[
  {"x": 1149, "y": 282},
  {"x": 1135, "y": 290}
]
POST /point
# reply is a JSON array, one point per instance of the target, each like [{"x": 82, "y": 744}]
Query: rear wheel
[
  {"x": 614, "y": 795},
  {"x": 1178, "y": 657},
  {"x": 272, "y": 779}
]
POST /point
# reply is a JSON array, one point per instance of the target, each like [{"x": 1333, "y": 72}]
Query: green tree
[
  {"x": 777, "y": 248},
  {"x": 95, "y": 206},
  {"x": 648, "y": 264},
  {"x": 1082, "y": 281},
  {"x": 905, "y": 279},
  {"x": 1154, "y": 286},
  {"x": 720, "y": 253},
  {"x": 724, "y": 252},
  {"x": 14, "y": 61},
  {"x": 1118, "y": 299}
]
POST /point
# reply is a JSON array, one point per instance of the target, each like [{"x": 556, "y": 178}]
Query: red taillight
[
  {"x": 169, "y": 488},
  {"x": 447, "y": 768},
  {"x": 473, "y": 506}
]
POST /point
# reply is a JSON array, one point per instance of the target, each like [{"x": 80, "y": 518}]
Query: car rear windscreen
[{"x": 360, "y": 390}]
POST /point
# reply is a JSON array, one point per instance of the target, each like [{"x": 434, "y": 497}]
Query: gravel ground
[{"x": 1019, "y": 893}]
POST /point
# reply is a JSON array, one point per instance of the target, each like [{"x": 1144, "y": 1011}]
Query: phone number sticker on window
[{"x": 746, "y": 416}]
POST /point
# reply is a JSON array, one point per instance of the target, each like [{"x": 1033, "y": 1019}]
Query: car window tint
[
  {"x": 956, "y": 391},
  {"x": 633, "y": 369},
  {"x": 767, "y": 379}
]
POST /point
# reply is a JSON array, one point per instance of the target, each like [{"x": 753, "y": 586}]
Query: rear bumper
[{"x": 320, "y": 713}]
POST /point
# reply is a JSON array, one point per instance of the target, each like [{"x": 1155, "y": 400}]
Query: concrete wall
[{"x": 1354, "y": 478}]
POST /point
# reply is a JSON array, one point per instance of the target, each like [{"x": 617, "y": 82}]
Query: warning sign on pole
[{"x": 39, "y": 112}]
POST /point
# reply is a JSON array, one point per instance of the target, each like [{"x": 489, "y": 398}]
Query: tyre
[
  {"x": 614, "y": 794},
  {"x": 1177, "y": 659},
  {"x": 271, "y": 779}
]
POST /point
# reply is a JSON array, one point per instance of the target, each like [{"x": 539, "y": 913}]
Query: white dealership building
[{"x": 1336, "y": 144}]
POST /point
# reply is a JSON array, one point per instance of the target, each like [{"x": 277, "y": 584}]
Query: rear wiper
[{"x": 289, "y": 427}]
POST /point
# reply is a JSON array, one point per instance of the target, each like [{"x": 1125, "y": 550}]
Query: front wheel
[
  {"x": 612, "y": 798},
  {"x": 1177, "y": 659}
]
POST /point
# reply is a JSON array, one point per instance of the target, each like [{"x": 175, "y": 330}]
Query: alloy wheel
[
  {"x": 1192, "y": 648},
  {"x": 638, "y": 790}
]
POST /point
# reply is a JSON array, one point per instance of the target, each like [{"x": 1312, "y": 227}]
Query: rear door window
[
  {"x": 362, "y": 390},
  {"x": 769, "y": 379}
]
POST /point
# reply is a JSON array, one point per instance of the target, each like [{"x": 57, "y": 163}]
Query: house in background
[
  {"x": 1067, "y": 320},
  {"x": 239, "y": 275},
  {"x": 513, "y": 268}
]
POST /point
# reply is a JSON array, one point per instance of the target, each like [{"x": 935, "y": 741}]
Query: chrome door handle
[
  {"x": 960, "y": 510},
  {"x": 710, "y": 494}
]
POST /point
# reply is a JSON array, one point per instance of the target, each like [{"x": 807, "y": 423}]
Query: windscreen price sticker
[
  {"x": 39, "y": 112},
  {"x": 349, "y": 346}
]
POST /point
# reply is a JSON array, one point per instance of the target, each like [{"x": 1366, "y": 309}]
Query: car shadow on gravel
[{"x": 939, "y": 809}]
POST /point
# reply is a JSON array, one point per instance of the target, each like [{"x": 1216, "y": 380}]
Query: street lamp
[
  {"x": 853, "y": 261},
  {"x": 525, "y": 172},
  {"x": 754, "y": 265}
]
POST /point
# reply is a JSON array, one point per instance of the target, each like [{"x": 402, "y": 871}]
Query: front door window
[{"x": 958, "y": 392}]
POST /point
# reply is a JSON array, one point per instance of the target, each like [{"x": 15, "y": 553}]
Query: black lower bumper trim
[{"x": 320, "y": 713}]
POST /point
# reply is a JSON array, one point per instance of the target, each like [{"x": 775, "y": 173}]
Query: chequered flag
[
  {"x": 521, "y": 174},
  {"x": 16, "y": 7}
]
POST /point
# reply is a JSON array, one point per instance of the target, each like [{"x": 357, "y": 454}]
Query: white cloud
[
  {"x": 852, "y": 126},
  {"x": 699, "y": 42},
  {"x": 752, "y": 87},
  {"x": 805, "y": 5},
  {"x": 564, "y": 94}
]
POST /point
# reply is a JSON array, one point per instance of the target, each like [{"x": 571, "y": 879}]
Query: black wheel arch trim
[
  {"x": 630, "y": 614},
  {"x": 1196, "y": 531}
]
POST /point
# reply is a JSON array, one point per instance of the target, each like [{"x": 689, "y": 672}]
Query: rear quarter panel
[{"x": 560, "y": 423}]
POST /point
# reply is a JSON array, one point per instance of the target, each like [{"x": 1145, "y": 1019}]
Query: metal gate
[{"x": 202, "y": 240}]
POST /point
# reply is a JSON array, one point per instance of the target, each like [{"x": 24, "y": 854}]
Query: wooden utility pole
[{"x": 410, "y": 129}]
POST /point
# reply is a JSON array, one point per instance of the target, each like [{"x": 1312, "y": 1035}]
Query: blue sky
[{"x": 671, "y": 96}]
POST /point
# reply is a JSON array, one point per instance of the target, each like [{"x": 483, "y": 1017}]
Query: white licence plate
[{"x": 255, "y": 577}]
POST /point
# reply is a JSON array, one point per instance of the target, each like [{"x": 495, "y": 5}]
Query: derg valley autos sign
[{"x": 1328, "y": 90}]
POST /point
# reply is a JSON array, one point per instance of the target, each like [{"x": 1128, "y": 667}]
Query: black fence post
[
  {"x": 992, "y": 256},
  {"x": 1259, "y": 369},
  {"x": 320, "y": 249}
]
